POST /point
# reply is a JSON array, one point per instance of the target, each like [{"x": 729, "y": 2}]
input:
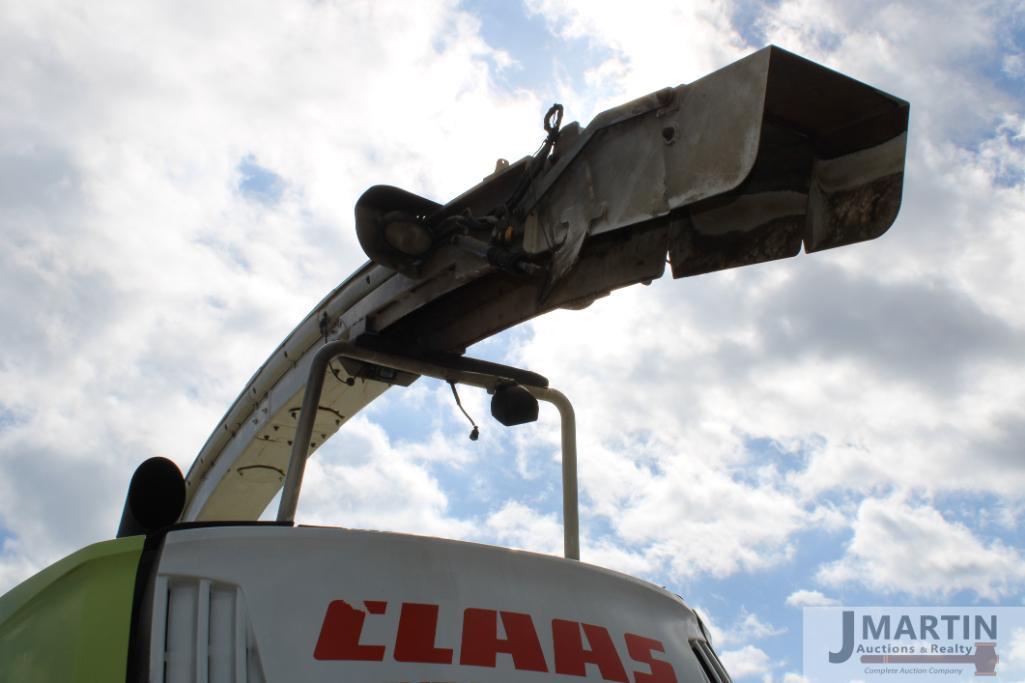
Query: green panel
[{"x": 70, "y": 622}]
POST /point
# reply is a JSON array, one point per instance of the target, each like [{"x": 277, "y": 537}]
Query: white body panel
[{"x": 256, "y": 601}]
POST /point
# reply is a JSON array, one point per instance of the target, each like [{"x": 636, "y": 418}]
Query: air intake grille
[{"x": 201, "y": 634}]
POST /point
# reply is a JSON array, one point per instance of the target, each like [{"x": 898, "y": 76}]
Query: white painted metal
[
  {"x": 570, "y": 504},
  {"x": 200, "y": 632},
  {"x": 181, "y": 632},
  {"x": 240, "y": 632},
  {"x": 202, "y": 656},
  {"x": 158, "y": 632},
  {"x": 286, "y": 603}
]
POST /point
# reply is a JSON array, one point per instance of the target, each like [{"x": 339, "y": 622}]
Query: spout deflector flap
[{"x": 827, "y": 168}]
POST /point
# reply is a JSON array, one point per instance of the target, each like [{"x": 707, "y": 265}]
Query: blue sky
[{"x": 176, "y": 192}]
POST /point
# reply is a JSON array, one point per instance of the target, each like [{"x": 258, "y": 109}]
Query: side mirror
[{"x": 512, "y": 405}]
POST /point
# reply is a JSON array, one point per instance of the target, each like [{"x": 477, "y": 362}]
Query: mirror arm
[{"x": 471, "y": 371}]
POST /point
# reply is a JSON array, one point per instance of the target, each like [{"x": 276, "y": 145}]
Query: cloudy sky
[{"x": 176, "y": 192}]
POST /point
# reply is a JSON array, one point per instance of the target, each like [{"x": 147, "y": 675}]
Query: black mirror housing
[{"x": 512, "y": 405}]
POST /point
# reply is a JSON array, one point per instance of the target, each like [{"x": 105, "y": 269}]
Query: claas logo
[{"x": 415, "y": 640}]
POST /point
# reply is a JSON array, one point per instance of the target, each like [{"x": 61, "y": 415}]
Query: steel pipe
[{"x": 483, "y": 374}]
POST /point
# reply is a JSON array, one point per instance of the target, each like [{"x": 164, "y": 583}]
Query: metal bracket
[{"x": 457, "y": 369}]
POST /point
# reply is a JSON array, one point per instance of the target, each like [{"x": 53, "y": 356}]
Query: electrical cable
[{"x": 475, "y": 432}]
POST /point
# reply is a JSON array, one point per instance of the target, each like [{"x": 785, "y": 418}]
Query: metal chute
[
  {"x": 828, "y": 169},
  {"x": 742, "y": 166}
]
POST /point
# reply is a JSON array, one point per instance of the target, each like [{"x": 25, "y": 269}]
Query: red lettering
[
  {"x": 481, "y": 643},
  {"x": 640, "y": 648},
  {"x": 571, "y": 658},
  {"x": 342, "y": 631},
  {"x": 375, "y": 606},
  {"x": 418, "y": 627},
  {"x": 340, "y": 634}
]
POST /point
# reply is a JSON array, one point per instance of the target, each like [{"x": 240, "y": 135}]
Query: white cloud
[
  {"x": 747, "y": 662},
  {"x": 1017, "y": 649},
  {"x": 896, "y": 49},
  {"x": 16, "y": 565},
  {"x": 141, "y": 286},
  {"x": 362, "y": 479},
  {"x": 679, "y": 492},
  {"x": 659, "y": 44},
  {"x": 1014, "y": 66},
  {"x": 745, "y": 659},
  {"x": 518, "y": 526},
  {"x": 716, "y": 635},
  {"x": 900, "y": 547},
  {"x": 607, "y": 552},
  {"x": 1012, "y": 659},
  {"x": 887, "y": 364},
  {"x": 807, "y": 598},
  {"x": 750, "y": 627}
]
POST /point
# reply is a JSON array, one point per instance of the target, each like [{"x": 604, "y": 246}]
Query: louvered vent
[{"x": 201, "y": 634}]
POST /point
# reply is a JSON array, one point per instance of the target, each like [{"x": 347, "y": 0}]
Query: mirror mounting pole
[
  {"x": 570, "y": 506},
  {"x": 471, "y": 371},
  {"x": 304, "y": 429}
]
